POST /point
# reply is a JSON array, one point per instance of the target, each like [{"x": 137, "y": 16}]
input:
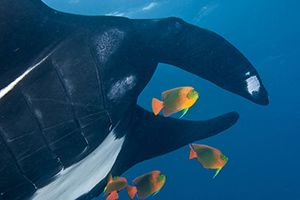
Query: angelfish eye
[{"x": 161, "y": 177}]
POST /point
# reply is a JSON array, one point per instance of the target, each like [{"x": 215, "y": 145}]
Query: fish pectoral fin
[
  {"x": 217, "y": 171},
  {"x": 184, "y": 112},
  {"x": 104, "y": 190},
  {"x": 156, "y": 192}
]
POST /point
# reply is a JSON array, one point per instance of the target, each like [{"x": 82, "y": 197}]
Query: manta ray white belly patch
[{"x": 81, "y": 177}]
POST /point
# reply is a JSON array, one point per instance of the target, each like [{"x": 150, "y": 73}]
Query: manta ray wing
[{"x": 68, "y": 92}]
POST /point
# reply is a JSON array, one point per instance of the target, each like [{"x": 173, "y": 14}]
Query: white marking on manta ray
[
  {"x": 8, "y": 88},
  {"x": 81, "y": 177},
  {"x": 119, "y": 88},
  {"x": 108, "y": 42},
  {"x": 253, "y": 84}
]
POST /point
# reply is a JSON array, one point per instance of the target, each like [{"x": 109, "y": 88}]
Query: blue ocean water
[{"x": 263, "y": 147}]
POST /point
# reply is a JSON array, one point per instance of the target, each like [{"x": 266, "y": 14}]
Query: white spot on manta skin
[
  {"x": 69, "y": 86},
  {"x": 38, "y": 113},
  {"x": 119, "y": 88},
  {"x": 108, "y": 42},
  {"x": 81, "y": 177},
  {"x": 253, "y": 84},
  {"x": 247, "y": 74}
]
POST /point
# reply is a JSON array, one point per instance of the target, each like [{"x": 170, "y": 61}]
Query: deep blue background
[{"x": 263, "y": 147}]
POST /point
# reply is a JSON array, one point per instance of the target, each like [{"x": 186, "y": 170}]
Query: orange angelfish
[
  {"x": 114, "y": 185},
  {"x": 177, "y": 99},
  {"x": 209, "y": 157},
  {"x": 146, "y": 185}
]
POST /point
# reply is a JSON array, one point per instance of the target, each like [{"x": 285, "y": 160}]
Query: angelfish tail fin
[
  {"x": 113, "y": 196},
  {"x": 131, "y": 191},
  {"x": 192, "y": 153},
  {"x": 157, "y": 105}
]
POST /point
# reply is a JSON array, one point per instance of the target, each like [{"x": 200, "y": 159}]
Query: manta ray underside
[{"x": 68, "y": 91}]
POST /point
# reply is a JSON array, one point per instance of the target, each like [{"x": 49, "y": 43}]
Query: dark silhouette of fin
[{"x": 69, "y": 84}]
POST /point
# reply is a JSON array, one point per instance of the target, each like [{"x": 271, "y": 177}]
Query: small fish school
[
  {"x": 209, "y": 157},
  {"x": 174, "y": 100},
  {"x": 144, "y": 185},
  {"x": 152, "y": 182}
]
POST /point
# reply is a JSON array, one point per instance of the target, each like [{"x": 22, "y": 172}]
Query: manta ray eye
[{"x": 177, "y": 25}]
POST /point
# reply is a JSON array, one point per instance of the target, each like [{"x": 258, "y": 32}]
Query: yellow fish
[
  {"x": 114, "y": 185},
  {"x": 209, "y": 157},
  {"x": 174, "y": 100},
  {"x": 147, "y": 184}
]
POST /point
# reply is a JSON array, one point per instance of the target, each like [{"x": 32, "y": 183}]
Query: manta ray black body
[{"x": 69, "y": 86}]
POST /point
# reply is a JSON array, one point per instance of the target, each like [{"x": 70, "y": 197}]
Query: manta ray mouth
[{"x": 81, "y": 177}]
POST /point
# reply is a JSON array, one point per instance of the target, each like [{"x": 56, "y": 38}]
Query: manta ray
[{"x": 68, "y": 92}]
